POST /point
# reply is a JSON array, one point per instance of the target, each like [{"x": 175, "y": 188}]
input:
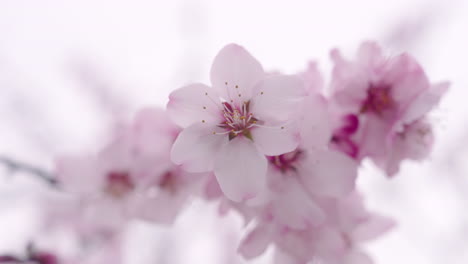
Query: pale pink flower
[
  {"x": 414, "y": 142},
  {"x": 133, "y": 175},
  {"x": 295, "y": 178},
  {"x": 313, "y": 170},
  {"x": 336, "y": 240},
  {"x": 375, "y": 97},
  {"x": 230, "y": 126}
]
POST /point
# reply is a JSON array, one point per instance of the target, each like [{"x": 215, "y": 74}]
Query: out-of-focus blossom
[
  {"x": 337, "y": 240},
  {"x": 230, "y": 126},
  {"x": 375, "y": 97},
  {"x": 313, "y": 170},
  {"x": 132, "y": 177}
]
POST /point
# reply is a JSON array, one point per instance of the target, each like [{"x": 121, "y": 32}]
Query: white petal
[
  {"x": 328, "y": 173},
  {"x": 256, "y": 242},
  {"x": 425, "y": 102},
  {"x": 294, "y": 208},
  {"x": 235, "y": 72},
  {"x": 194, "y": 103},
  {"x": 240, "y": 169},
  {"x": 372, "y": 228},
  {"x": 316, "y": 129},
  {"x": 278, "y": 98},
  {"x": 196, "y": 148},
  {"x": 281, "y": 257},
  {"x": 277, "y": 140},
  {"x": 357, "y": 257}
]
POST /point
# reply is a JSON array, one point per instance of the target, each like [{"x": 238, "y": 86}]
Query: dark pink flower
[{"x": 375, "y": 98}]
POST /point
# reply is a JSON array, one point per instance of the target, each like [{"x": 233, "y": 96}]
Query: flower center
[
  {"x": 379, "y": 100},
  {"x": 342, "y": 137},
  {"x": 238, "y": 120},
  {"x": 168, "y": 182},
  {"x": 286, "y": 161},
  {"x": 119, "y": 184}
]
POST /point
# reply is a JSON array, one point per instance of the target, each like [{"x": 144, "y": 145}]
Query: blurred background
[{"x": 69, "y": 69}]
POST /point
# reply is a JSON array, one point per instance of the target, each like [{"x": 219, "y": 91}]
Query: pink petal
[
  {"x": 375, "y": 132},
  {"x": 240, "y": 169},
  {"x": 196, "y": 148},
  {"x": 152, "y": 134},
  {"x": 370, "y": 54},
  {"x": 273, "y": 141},
  {"x": 357, "y": 257},
  {"x": 162, "y": 207},
  {"x": 313, "y": 78},
  {"x": 294, "y": 208},
  {"x": 256, "y": 242},
  {"x": 281, "y": 257},
  {"x": 194, "y": 103},
  {"x": 79, "y": 174},
  {"x": 407, "y": 78},
  {"x": 328, "y": 173},
  {"x": 330, "y": 242},
  {"x": 414, "y": 142},
  {"x": 349, "y": 82},
  {"x": 235, "y": 72},
  {"x": 375, "y": 226},
  {"x": 316, "y": 128},
  {"x": 212, "y": 190},
  {"x": 425, "y": 102},
  {"x": 278, "y": 98}
]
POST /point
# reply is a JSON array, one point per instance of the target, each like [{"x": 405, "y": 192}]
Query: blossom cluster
[{"x": 283, "y": 151}]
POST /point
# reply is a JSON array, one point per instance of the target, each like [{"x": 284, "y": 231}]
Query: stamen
[{"x": 238, "y": 120}]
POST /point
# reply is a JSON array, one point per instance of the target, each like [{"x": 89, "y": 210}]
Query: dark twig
[{"x": 17, "y": 166}]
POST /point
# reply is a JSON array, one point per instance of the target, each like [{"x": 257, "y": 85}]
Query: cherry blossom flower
[
  {"x": 313, "y": 170},
  {"x": 335, "y": 241},
  {"x": 414, "y": 142},
  {"x": 296, "y": 177},
  {"x": 375, "y": 97},
  {"x": 133, "y": 175},
  {"x": 230, "y": 126}
]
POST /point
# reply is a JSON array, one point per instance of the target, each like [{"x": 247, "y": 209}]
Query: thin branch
[{"x": 17, "y": 166}]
